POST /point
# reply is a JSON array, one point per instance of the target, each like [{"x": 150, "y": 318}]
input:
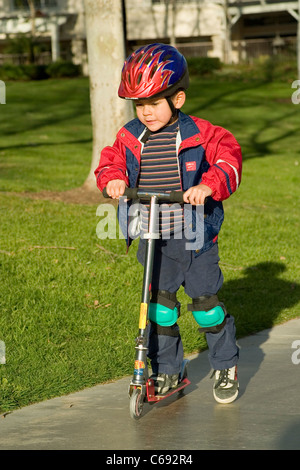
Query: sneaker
[
  {"x": 164, "y": 382},
  {"x": 226, "y": 386}
]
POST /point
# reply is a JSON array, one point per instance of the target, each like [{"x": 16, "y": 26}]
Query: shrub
[
  {"x": 23, "y": 72},
  {"x": 35, "y": 72},
  {"x": 58, "y": 69},
  {"x": 61, "y": 69},
  {"x": 203, "y": 65},
  {"x": 12, "y": 72},
  {"x": 277, "y": 67}
]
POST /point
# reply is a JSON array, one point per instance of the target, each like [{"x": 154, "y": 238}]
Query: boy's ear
[{"x": 179, "y": 99}]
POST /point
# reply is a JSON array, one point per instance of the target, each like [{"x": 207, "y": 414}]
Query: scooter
[{"x": 141, "y": 388}]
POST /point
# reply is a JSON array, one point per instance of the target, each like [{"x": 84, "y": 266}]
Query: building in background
[
  {"x": 232, "y": 30},
  {"x": 228, "y": 29},
  {"x": 58, "y": 28}
]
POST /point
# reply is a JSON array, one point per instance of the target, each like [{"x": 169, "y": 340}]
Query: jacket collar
[
  {"x": 129, "y": 136},
  {"x": 190, "y": 134}
]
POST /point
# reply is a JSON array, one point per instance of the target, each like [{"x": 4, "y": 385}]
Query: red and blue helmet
[{"x": 153, "y": 70}]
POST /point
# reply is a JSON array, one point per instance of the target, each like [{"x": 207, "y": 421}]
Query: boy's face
[{"x": 155, "y": 113}]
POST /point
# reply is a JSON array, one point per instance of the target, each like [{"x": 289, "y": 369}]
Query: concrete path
[{"x": 266, "y": 414}]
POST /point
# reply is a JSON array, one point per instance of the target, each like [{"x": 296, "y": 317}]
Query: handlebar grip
[
  {"x": 104, "y": 192},
  {"x": 176, "y": 196},
  {"x": 131, "y": 193}
]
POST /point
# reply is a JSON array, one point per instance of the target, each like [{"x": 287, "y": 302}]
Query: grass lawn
[
  {"x": 46, "y": 135},
  {"x": 69, "y": 301}
]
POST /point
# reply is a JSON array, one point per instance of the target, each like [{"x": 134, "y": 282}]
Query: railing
[
  {"x": 17, "y": 5},
  {"x": 44, "y": 58},
  {"x": 254, "y": 48},
  {"x": 246, "y": 49},
  {"x": 195, "y": 49}
]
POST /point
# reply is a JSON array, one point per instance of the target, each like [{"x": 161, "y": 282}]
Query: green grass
[
  {"x": 69, "y": 309},
  {"x": 46, "y": 135},
  {"x": 261, "y": 115},
  {"x": 63, "y": 319}
]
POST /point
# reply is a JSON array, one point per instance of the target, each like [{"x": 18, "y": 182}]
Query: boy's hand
[
  {"x": 196, "y": 195},
  {"x": 115, "y": 188}
]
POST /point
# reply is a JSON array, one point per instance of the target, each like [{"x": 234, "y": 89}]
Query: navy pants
[{"x": 174, "y": 266}]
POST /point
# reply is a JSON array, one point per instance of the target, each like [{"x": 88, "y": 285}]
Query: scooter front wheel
[{"x": 136, "y": 403}]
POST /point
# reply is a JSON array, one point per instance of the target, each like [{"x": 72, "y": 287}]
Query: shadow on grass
[
  {"x": 257, "y": 299},
  {"x": 48, "y": 105},
  {"x": 47, "y": 144},
  {"x": 256, "y": 302},
  {"x": 234, "y": 88},
  {"x": 260, "y": 147},
  {"x": 256, "y": 144}
]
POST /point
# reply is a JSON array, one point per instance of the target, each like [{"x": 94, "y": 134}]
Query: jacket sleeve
[
  {"x": 112, "y": 165},
  {"x": 224, "y": 156}
]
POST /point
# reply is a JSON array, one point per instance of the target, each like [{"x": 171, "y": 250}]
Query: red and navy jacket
[{"x": 206, "y": 153}]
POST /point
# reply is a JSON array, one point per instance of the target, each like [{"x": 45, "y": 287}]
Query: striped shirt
[{"x": 159, "y": 170}]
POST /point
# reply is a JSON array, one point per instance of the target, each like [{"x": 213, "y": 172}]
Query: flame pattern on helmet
[{"x": 149, "y": 70}]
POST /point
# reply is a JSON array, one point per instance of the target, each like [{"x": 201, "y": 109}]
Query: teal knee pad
[
  {"x": 211, "y": 318},
  {"x": 162, "y": 315}
]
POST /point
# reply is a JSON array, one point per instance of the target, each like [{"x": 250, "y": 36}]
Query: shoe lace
[{"x": 223, "y": 377}]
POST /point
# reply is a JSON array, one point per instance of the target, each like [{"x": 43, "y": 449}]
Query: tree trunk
[
  {"x": 298, "y": 41},
  {"x": 32, "y": 16},
  {"x": 106, "y": 54},
  {"x": 33, "y": 31}
]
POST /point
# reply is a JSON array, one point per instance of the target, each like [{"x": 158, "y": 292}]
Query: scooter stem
[
  {"x": 151, "y": 236},
  {"x": 141, "y": 370}
]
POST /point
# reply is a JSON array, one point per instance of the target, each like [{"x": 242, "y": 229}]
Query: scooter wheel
[{"x": 136, "y": 403}]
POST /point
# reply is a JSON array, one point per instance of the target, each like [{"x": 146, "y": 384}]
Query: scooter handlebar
[{"x": 136, "y": 193}]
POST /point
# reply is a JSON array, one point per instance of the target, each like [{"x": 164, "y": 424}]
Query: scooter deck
[{"x": 152, "y": 397}]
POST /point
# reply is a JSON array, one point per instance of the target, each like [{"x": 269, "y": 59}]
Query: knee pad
[
  {"x": 211, "y": 320},
  {"x": 209, "y": 313},
  {"x": 164, "y": 310}
]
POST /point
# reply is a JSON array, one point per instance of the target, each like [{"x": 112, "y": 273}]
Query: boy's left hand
[{"x": 196, "y": 195}]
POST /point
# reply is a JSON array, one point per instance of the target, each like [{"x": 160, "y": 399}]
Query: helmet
[{"x": 153, "y": 70}]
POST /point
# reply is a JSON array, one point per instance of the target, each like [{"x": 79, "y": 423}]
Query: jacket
[{"x": 206, "y": 153}]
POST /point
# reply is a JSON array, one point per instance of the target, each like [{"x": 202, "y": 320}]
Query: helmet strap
[
  {"x": 172, "y": 119},
  {"x": 174, "y": 110}
]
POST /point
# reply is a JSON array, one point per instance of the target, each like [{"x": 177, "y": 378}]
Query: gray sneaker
[
  {"x": 226, "y": 386},
  {"x": 164, "y": 382}
]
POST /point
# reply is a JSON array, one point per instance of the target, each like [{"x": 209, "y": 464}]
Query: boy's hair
[{"x": 156, "y": 70}]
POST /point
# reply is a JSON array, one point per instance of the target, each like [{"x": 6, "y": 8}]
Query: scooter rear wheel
[{"x": 136, "y": 403}]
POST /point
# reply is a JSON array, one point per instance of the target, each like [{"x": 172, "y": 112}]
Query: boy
[{"x": 165, "y": 149}]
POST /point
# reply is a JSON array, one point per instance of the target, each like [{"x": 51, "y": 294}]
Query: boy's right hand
[{"x": 115, "y": 188}]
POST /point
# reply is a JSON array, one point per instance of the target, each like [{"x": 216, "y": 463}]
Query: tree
[
  {"x": 33, "y": 30},
  {"x": 106, "y": 53},
  {"x": 173, "y": 23},
  {"x": 296, "y": 15},
  {"x": 24, "y": 43},
  {"x": 32, "y": 16}
]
